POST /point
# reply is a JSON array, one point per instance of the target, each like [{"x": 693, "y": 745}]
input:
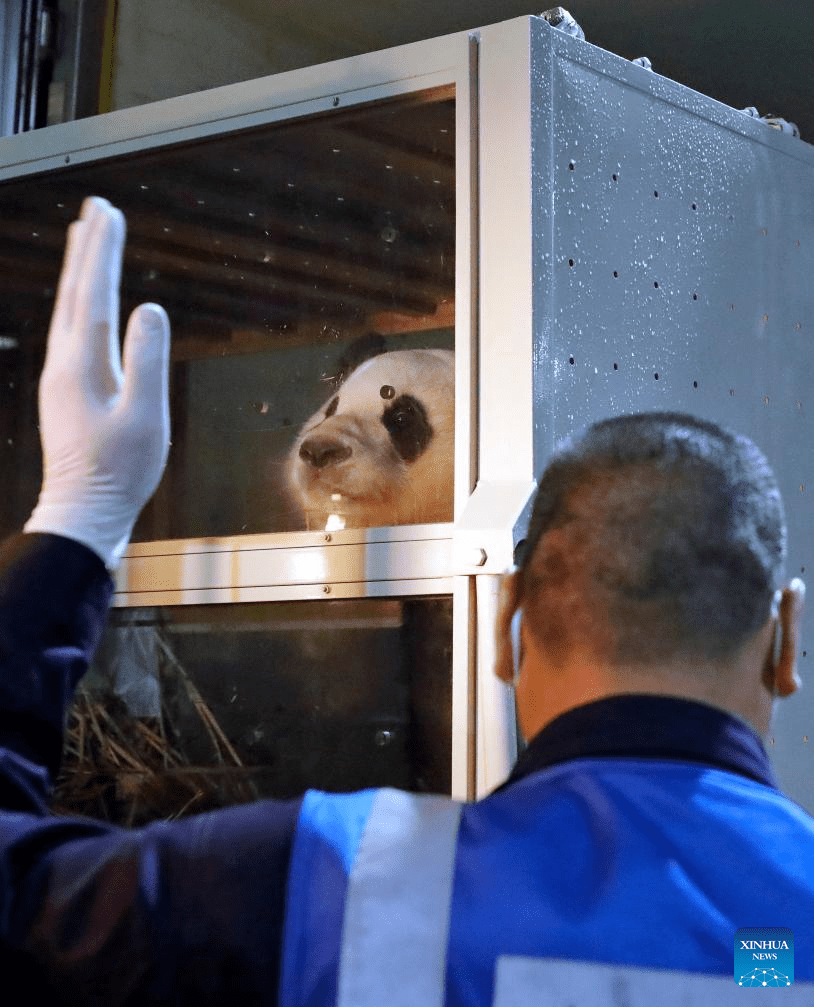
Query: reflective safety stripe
[
  {"x": 529, "y": 982},
  {"x": 394, "y": 935}
]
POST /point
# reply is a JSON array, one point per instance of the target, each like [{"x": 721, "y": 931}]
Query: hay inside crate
[{"x": 131, "y": 770}]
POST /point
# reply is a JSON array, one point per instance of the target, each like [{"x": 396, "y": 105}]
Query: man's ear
[
  {"x": 507, "y": 604},
  {"x": 780, "y": 675}
]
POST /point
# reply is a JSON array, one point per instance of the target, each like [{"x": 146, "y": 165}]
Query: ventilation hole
[
  {"x": 656, "y": 193},
  {"x": 695, "y": 206},
  {"x": 656, "y": 376},
  {"x": 656, "y": 284},
  {"x": 695, "y": 384},
  {"x": 615, "y": 177},
  {"x": 570, "y": 360},
  {"x": 616, "y": 273},
  {"x": 695, "y": 297},
  {"x": 805, "y": 653},
  {"x": 802, "y": 569},
  {"x": 616, "y": 367},
  {"x": 571, "y": 165},
  {"x": 571, "y": 262}
]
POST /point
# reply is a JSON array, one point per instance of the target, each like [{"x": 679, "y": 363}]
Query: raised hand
[{"x": 104, "y": 428}]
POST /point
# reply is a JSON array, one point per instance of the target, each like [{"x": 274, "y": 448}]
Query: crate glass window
[
  {"x": 285, "y": 255},
  {"x": 189, "y": 708}
]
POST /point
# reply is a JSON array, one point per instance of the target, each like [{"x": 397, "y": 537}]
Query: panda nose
[{"x": 319, "y": 452}]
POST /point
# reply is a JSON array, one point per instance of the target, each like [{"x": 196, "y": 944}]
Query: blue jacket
[
  {"x": 636, "y": 830},
  {"x": 622, "y": 861}
]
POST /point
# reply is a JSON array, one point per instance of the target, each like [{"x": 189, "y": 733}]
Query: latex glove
[{"x": 104, "y": 430}]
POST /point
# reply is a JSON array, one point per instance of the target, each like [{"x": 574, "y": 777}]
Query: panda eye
[
  {"x": 409, "y": 427},
  {"x": 387, "y": 391}
]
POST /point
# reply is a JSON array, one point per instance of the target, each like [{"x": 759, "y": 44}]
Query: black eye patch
[
  {"x": 332, "y": 406},
  {"x": 405, "y": 419}
]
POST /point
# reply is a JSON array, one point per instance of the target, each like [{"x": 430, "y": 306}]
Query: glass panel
[
  {"x": 285, "y": 256},
  {"x": 191, "y": 708}
]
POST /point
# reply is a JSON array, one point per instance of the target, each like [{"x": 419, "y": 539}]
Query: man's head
[{"x": 653, "y": 561}]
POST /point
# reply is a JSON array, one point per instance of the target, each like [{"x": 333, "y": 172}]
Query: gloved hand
[{"x": 104, "y": 431}]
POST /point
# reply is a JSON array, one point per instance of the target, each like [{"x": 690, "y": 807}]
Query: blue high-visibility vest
[{"x": 396, "y": 900}]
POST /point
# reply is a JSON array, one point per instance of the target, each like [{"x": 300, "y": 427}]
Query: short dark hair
[{"x": 659, "y": 535}]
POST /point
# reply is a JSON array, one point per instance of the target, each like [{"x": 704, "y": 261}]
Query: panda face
[{"x": 381, "y": 450}]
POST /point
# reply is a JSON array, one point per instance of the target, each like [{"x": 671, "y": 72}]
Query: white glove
[{"x": 104, "y": 432}]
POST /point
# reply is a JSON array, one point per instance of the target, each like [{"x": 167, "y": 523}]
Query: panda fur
[{"x": 381, "y": 449}]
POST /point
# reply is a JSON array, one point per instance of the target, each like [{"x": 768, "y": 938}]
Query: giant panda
[{"x": 380, "y": 450}]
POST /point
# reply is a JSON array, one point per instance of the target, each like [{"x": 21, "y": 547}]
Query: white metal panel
[
  {"x": 464, "y": 659},
  {"x": 487, "y": 532},
  {"x": 506, "y": 259},
  {"x": 466, "y": 272},
  {"x": 496, "y": 734}
]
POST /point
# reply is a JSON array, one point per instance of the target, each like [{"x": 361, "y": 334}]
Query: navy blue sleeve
[
  {"x": 188, "y": 912},
  {"x": 54, "y": 597}
]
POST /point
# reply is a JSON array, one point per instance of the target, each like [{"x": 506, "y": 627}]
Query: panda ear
[{"x": 356, "y": 353}]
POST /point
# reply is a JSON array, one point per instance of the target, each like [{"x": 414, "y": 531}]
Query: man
[{"x": 642, "y": 826}]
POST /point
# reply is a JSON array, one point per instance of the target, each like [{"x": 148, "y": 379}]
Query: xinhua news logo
[{"x": 764, "y": 956}]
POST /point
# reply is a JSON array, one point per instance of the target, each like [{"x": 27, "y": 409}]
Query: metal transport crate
[{"x": 584, "y": 236}]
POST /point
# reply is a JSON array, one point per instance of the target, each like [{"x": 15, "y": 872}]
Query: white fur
[{"x": 374, "y": 485}]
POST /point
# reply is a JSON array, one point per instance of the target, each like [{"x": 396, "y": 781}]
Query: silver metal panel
[
  {"x": 285, "y": 540},
  {"x": 157, "y": 595},
  {"x": 674, "y": 251},
  {"x": 182, "y": 571}
]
